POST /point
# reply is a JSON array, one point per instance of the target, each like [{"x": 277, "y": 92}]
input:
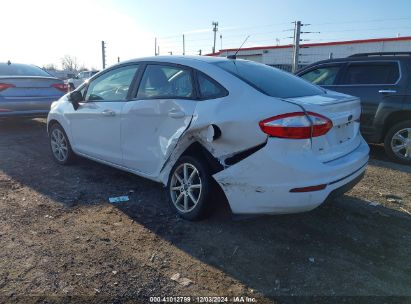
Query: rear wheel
[
  {"x": 189, "y": 189},
  {"x": 397, "y": 142},
  {"x": 60, "y": 145}
]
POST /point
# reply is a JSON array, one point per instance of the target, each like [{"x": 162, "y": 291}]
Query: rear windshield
[
  {"x": 16, "y": 69},
  {"x": 269, "y": 80}
]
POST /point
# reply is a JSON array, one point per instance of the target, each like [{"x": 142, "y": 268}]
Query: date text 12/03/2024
[{"x": 237, "y": 299}]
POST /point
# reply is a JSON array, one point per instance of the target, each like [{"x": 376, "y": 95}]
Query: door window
[
  {"x": 372, "y": 73},
  {"x": 168, "y": 82},
  {"x": 209, "y": 88},
  {"x": 112, "y": 86},
  {"x": 325, "y": 75}
]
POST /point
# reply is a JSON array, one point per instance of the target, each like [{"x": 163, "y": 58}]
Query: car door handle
[
  {"x": 387, "y": 91},
  {"x": 176, "y": 114},
  {"x": 108, "y": 113}
]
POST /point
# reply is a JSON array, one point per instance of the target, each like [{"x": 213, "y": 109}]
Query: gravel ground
[{"x": 61, "y": 241}]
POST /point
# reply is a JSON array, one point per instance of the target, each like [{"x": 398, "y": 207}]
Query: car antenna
[{"x": 235, "y": 55}]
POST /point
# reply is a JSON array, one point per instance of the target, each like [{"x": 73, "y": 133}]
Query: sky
[{"x": 41, "y": 32}]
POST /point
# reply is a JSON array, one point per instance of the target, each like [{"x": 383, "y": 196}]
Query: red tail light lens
[
  {"x": 61, "y": 87},
  {"x": 297, "y": 125},
  {"x": 5, "y": 86}
]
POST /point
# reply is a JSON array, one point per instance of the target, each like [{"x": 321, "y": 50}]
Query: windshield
[
  {"x": 16, "y": 69},
  {"x": 269, "y": 80}
]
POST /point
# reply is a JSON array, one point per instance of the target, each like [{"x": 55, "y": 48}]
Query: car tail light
[
  {"x": 5, "y": 86},
  {"x": 61, "y": 87},
  {"x": 297, "y": 125}
]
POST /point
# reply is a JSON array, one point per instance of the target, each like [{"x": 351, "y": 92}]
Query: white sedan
[{"x": 273, "y": 142}]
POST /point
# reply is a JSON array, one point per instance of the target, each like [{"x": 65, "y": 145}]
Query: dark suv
[{"x": 383, "y": 82}]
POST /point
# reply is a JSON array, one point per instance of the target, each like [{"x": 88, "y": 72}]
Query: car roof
[{"x": 179, "y": 59}]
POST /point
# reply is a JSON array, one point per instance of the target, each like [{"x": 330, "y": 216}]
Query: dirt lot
[{"x": 60, "y": 238}]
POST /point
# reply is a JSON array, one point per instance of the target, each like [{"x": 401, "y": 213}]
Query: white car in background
[
  {"x": 80, "y": 78},
  {"x": 271, "y": 141}
]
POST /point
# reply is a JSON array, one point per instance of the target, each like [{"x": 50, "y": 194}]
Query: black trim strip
[
  {"x": 243, "y": 155},
  {"x": 341, "y": 179}
]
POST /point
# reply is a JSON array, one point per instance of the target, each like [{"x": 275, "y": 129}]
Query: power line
[{"x": 363, "y": 21}]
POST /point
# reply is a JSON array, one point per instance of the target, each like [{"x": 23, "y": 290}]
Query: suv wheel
[
  {"x": 189, "y": 189},
  {"x": 397, "y": 142},
  {"x": 60, "y": 145}
]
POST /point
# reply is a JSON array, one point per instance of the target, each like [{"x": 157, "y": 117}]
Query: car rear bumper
[
  {"x": 261, "y": 183},
  {"x": 26, "y": 107}
]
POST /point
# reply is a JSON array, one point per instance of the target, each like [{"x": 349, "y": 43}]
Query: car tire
[
  {"x": 189, "y": 189},
  {"x": 399, "y": 135},
  {"x": 60, "y": 145}
]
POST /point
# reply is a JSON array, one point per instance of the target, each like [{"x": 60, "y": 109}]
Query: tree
[
  {"x": 50, "y": 67},
  {"x": 70, "y": 63}
]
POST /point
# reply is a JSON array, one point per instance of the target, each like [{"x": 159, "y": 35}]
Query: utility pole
[
  {"x": 296, "y": 50},
  {"x": 103, "y": 53},
  {"x": 155, "y": 46},
  {"x": 221, "y": 42},
  {"x": 184, "y": 46},
  {"x": 215, "y": 30}
]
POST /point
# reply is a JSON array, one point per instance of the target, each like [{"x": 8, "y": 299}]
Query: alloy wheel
[
  {"x": 59, "y": 145},
  {"x": 186, "y": 187},
  {"x": 401, "y": 143}
]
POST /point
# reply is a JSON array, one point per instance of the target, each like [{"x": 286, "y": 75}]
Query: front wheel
[
  {"x": 397, "y": 142},
  {"x": 189, "y": 189},
  {"x": 60, "y": 145}
]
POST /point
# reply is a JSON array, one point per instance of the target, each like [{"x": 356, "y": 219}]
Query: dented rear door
[{"x": 154, "y": 121}]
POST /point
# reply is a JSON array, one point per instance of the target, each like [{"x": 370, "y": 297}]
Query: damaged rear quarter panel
[{"x": 237, "y": 116}]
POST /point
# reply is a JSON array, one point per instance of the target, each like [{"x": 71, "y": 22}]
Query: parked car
[
  {"x": 194, "y": 123},
  {"x": 80, "y": 78},
  {"x": 27, "y": 90},
  {"x": 383, "y": 83}
]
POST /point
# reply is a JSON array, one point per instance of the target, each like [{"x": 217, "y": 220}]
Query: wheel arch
[
  {"x": 198, "y": 151},
  {"x": 394, "y": 118}
]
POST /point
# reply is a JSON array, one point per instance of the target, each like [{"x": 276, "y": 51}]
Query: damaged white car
[{"x": 273, "y": 142}]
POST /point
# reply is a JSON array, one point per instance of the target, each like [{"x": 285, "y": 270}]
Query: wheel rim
[
  {"x": 185, "y": 187},
  {"x": 401, "y": 143},
  {"x": 59, "y": 145}
]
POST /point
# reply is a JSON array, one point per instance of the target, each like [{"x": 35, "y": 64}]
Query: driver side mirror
[{"x": 75, "y": 98}]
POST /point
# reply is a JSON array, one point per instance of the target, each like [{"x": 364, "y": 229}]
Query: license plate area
[{"x": 343, "y": 133}]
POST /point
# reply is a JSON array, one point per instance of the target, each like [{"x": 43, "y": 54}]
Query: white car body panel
[
  {"x": 150, "y": 130},
  {"x": 144, "y": 139},
  {"x": 95, "y": 127}
]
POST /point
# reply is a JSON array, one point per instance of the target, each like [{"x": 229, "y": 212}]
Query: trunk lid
[
  {"x": 30, "y": 86},
  {"x": 344, "y": 111}
]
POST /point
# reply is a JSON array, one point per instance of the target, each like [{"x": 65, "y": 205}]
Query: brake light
[
  {"x": 5, "y": 86},
  {"x": 61, "y": 87},
  {"x": 297, "y": 125}
]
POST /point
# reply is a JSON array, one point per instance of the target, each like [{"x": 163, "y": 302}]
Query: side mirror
[{"x": 75, "y": 98}]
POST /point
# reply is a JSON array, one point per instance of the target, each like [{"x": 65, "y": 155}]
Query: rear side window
[
  {"x": 372, "y": 73},
  {"x": 209, "y": 89},
  {"x": 16, "y": 69},
  {"x": 166, "y": 82},
  {"x": 325, "y": 75},
  {"x": 269, "y": 80}
]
